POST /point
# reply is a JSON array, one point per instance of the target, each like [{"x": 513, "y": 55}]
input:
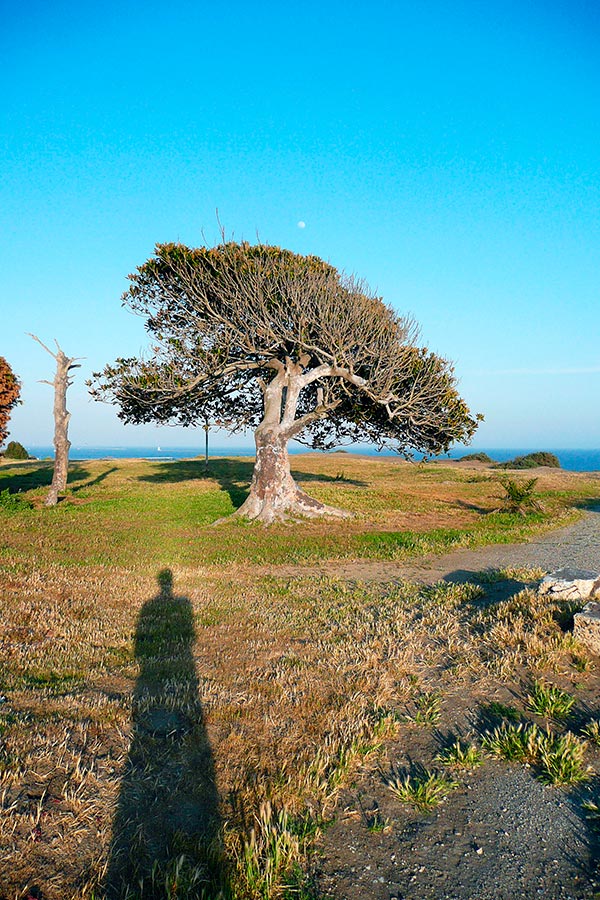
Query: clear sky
[{"x": 447, "y": 152}]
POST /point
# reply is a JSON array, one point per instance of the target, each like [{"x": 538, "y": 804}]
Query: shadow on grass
[
  {"x": 29, "y": 478},
  {"x": 590, "y": 505},
  {"x": 167, "y": 828},
  {"x": 97, "y": 480},
  {"x": 497, "y": 589},
  {"x": 319, "y": 477},
  {"x": 233, "y": 475}
]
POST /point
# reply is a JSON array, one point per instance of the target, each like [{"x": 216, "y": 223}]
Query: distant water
[{"x": 572, "y": 460}]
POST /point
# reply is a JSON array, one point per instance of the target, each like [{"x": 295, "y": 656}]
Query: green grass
[
  {"x": 427, "y": 709},
  {"x": 550, "y": 701},
  {"x": 559, "y": 758},
  {"x": 421, "y": 788},
  {"x": 132, "y": 513},
  {"x": 461, "y": 756}
]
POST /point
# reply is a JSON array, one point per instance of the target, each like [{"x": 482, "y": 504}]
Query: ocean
[{"x": 572, "y": 460}]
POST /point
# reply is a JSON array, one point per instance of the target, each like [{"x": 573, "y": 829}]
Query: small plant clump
[
  {"x": 427, "y": 709},
  {"x": 459, "y": 756},
  {"x": 519, "y": 496},
  {"x": 592, "y": 731},
  {"x": 421, "y": 788},
  {"x": 550, "y": 701},
  {"x": 15, "y": 450},
  {"x": 558, "y": 757},
  {"x": 476, "y": 457}
]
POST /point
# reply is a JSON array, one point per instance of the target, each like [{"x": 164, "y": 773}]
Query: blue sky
[{"x": 448, "y": 153}]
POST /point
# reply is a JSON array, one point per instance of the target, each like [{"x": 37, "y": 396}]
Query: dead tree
[{"x": 62, "y": 381}]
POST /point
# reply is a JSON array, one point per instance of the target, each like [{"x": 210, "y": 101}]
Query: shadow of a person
[{"x": 167, "y": 822}]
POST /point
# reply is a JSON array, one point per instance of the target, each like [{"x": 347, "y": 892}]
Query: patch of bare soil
[{"x": 501, "y": 835}]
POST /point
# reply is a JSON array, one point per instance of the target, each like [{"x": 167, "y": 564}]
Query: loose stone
[
  {"x": 586, "y": 626},
  {"x": 570, "y": 584}
]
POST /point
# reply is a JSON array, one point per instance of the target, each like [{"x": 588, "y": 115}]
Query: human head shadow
[{"x": 167, "y": 816}]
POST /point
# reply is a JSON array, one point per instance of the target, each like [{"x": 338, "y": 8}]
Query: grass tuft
[
  {"x": 559, "y": 758},
  {"x": 428, "y": 709},
  {"x": 461, "y": 756},
  {"x": 550, "y": 701},
  {"x": 421, "y": 788}
]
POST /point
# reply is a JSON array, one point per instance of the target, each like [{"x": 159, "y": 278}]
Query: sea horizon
[{"x": 571, "y": 459}]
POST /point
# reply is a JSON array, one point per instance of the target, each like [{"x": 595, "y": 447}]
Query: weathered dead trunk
[
  {"x": 274, "y": 495},
  {"x": 62, "y": 416}
]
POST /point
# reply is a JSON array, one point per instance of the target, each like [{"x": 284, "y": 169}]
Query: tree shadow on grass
[
  {"x": 320, "y": 477},
  {"x": 233, "y": 475},
  {"x": 97, "y": 480},
  {"x": 167, "y": 828},
  {"x": 30, "y": 478}
]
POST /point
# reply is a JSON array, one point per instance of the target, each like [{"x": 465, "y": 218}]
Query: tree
[
  {"x": 10, "y": 391},
  {"x": 62, "y": 417},
  {"x": 259, "y": 337}
]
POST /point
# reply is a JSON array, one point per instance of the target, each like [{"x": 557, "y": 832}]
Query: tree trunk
[
  {"x": 61, "y": 426},
  {"x": 274, "y": 495}
]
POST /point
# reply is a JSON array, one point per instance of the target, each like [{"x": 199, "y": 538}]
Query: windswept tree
[
  {"x": 253, "y": 336},
  {"x": 10, "y": 391}
]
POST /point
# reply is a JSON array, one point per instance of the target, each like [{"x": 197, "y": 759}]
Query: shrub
[
  {"x": 519, "y": 496},
  {"x": 15, "y": 450},
  {"x": 476, "y": 457},
  {"x": 531, "y": 460}
]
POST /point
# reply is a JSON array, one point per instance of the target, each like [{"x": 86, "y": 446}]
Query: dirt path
[
  {"x": 574, "y": 545},
  {"x": 503, "y": 835}
]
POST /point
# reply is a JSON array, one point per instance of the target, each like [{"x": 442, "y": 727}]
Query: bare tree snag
[{"x": 62, "y": 381}]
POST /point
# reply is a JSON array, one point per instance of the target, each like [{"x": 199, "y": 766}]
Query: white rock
[
  {"x": 586, "y": 626},
  {"x": 570, "y": 584}
]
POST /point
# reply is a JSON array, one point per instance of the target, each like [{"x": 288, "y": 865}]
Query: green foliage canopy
[
  {"x": 10, "y": 390},
  {"x": 225, "y": 321}
]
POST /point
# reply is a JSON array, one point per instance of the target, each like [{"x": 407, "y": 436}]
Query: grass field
[{"x": 178, "y": 714}]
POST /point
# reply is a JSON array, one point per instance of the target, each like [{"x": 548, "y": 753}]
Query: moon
[{"x": 301, "y": 224}]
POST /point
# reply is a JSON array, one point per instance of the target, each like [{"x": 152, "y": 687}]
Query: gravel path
[
  {"x": 504, "y": 836},
  {"x": 576, "y": 546}
]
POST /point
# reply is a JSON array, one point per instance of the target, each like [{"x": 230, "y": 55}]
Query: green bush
[
  {"x": 531, "y": 460},
  {"x": 476, "y": 457},
  {"x": 15, "y": 450},
  {"x": 519, "y": 496}
]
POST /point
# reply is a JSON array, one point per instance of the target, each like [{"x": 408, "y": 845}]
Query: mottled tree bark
[
  {"x": 62, "y": 416},
  {"x": 274, "y": 495}
]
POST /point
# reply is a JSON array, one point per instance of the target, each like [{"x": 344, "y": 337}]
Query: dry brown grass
[{"x": 274, "y": 690}]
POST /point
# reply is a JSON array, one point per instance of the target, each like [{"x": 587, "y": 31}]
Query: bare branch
[{"x": 41, "y": 343}]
